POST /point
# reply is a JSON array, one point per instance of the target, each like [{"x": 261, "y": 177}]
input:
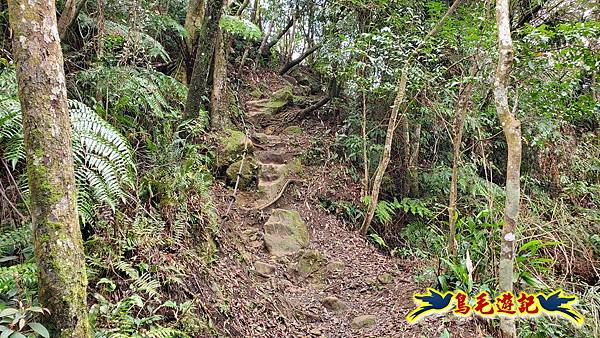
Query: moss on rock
[
  {"x": 285, "y": 232},
  {"x": 247, "y": 173}
]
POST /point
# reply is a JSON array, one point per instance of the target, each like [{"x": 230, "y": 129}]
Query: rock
[
  {"x": 311, "y": 263},
  {"x": 256, "y": 93},
  {"x": 233, "y": 143},
  {"x": 247, "y": 174},
  {"x": 259, "y": 110},
  {"x": 363, "y": 321},
  {"x": 293, "y": 130},
  {"x": 333, "y": 304},
  {"x": 284, "y": 94},
  {"x": 315, "y": 332},
  {"x": 385, "y": 278},
  {"x": 276, "y": 156},
  {"x": 251, "y": 234},
  {"x": 285, "y": 233},
  {"x": 336, "y": 266},
  {"x": 261, "y": 138},
  {"x": 264, "y": 269}
]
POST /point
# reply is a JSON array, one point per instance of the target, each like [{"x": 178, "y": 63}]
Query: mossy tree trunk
[
  {"x": 512, "y": 132},
  {"x": 219, "y": 102},
  {"x": 199, "y": 89},
  {"x": 193, "y": 23},
  {"x": 68, "y": 16},
  {"x": 47, "y": 135}
]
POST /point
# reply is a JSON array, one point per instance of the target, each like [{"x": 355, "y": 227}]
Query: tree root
[{"x": 268, "y": 204}]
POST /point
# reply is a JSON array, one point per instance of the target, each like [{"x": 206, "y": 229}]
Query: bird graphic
[
  {"x": 557, "y": 303},
  {"x": 431, "y": 302}
]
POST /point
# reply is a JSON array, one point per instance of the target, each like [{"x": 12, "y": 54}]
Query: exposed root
[{"x": 268, "y": 204}]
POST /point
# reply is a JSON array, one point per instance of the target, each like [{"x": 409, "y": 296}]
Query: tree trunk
[
  {"x": 266, "y": 48},
  {"x": 47, "y": 134},
  {"x": 512, "y": 132},
  {"x": 297, "y": 60},
  {"x": 387, "y": 149},
  {"x": 389, "y": 137},
  {"x": 218, "y": 98},
  {"x": 365, "y": 183},
  {"x": 68, "y": 15},
  {"x": 198, "y": 88},
  {"x": 193, "y": 23},
  {"x": 464, "y": 98}
]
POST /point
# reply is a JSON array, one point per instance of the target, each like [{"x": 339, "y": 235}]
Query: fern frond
[
  {"x": 165, "y": 332},
  {"x": 140, "y": 39},
  {"x": 104, "y": 164},
  {"x": 15, "y": 239},
  {"x": 23, "y": 275}
]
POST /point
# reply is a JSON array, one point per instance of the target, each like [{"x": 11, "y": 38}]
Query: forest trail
[{"x": 306, "y": 273}]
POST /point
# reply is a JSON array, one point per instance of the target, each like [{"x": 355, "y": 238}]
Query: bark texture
[
  {"x": 193, "y": 22},
  {"x": 199, "y": 89},
  {"x": 47, "y": 135},
  {"x": 512, "y": 132},
  {"x": 218, "y": 100},
  {"x": 68, "y": 16}
]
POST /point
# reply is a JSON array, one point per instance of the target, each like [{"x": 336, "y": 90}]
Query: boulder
[
  {"x": 333, "y": 304},
  {"x": 285, "y": 233},
  {"x": 232, "y": 145},
  {"x": 363, "y": 321},
  {"x": 247, "y": 173},
  {"x": 336, "y": 266}
]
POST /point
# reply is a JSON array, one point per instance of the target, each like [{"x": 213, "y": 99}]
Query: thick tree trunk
[
  {"x": 218, "y": 100},
  {"x": 198, "y": 88},
  {"x": 193, "y": 24},
  {"x": 68, "y": 15},
  {"x": 512, "y": 131},
  {"x": 464, "y": 99},
  {"x": 297, "y": 60},
  {"x": 47, "y": 134}
]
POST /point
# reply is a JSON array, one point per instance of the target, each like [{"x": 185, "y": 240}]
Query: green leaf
[
  {"x": 6, "y": 333},
  {"x": 40, "y": 329},
  {"x": 17, "y": 335},
  {"x": 8, "y": 312}
]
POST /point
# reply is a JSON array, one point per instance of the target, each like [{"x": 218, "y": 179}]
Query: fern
[
  {"x": 238, "y": 26},
  {"x": 103, "y": 160},
  {"x": 12, "y": 240},
  {"x": 23, "y": 275},
  {"x": 165, "y": 332},
  {"x": 137, "y": 91},
  {"x": 141, "y": 40}
]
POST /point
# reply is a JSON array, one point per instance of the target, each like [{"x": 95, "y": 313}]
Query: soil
[{"x": 277, "y": 301}]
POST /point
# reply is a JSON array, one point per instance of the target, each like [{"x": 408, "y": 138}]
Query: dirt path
[{"x": 337, "y": 284}]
